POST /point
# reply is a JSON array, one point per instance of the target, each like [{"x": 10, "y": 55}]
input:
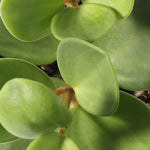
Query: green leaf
[
  {"x": 5, "y": 136},
  {"x": 127, "y": 129},
  {"x": 20, "y": 144},
  {"x": 88, "y": 70},
  {"x": 13, "y": 68},
  {"x": 29, "y": 20},
  {"x": 29, "y": 109},
  {"x": 53, "y": 141},
  {"x": 57, "y": 82},
  {"x": 87, "y": 22},
  {"x": 39, "y": 53},
  {"x": 128, "y": 45},
  {"x": 124, "y": 7}
]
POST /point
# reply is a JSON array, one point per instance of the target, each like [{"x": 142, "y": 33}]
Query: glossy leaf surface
[
  {"x": 29, "y": 109},
  {"x": 128, "y": 45},
  {"x": 29, "y": 20},
  {"x": 53, "y": 141},
  {"x": 81, "y": 22},
  {"x": 16, "y": 68},
  {"x": 124, "y": 7},
  {"x": 88, "y": 70},
  {"x": 127, "y": 129},
  {"x": 20, "y": 144},
  {"x": 30, "y": 51},
  {"x": 5, "y": 136}
]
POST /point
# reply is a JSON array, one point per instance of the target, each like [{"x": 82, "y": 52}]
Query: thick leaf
[
  {"x": 53, "y": 141},
  {"x": 124, "y": 7},
  {"x": 126, "y": 129},
  {"x": 87, "y": 22},
  {"x": 20, "y": 144},
  {"x": 29, "y": 20},
  {"x": 88, "y": 70},
  {"x": 5, "y": 136},
  {"x": 16, "y": 68},
  {"x": 128, "y": 45},
  {"x": 29, "y": 109},
  {"x": 39, "y": 53}
]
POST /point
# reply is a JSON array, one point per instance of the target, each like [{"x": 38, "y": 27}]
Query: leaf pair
[
  {"x": 88, "y": 21},
  {"x": 29, "y": 108}
]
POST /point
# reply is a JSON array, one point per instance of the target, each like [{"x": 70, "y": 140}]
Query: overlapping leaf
[
  {"x": 39, "y": 53},
  {"x": 127, "y": 129},
  {"x": 29, "y": 20},
  {"x": 53, "y": 141},
  {"x": 124, "y": 7},
  {"x": 16, "y": 68},
  {"x": 87, "y": 22},
  {"x": 5, "y": 136},
  {"x": 29, "y": 109},
  {"x": 128, "y": 45},
  {"x": 88, "y": 70},
  {"x": 20, "y": 144}
]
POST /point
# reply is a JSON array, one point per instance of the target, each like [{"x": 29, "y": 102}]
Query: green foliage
[{"x": 85, "y": 110}]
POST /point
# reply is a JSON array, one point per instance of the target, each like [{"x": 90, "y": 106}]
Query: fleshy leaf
[
  {"x": 29, "y": 20},
  {"x": 5, "y": 136},
  {"x": 29, "y": 109},
  {"x": 88, "y": 70},
  {"x": 16, "y": 68},
  {"x": 53, "y": 141},
  {"x": 127, "y": 129},
  {"x": 128, "y": 45},
  {"x": 20, "y": 144},
  {"x": 30, "y": 51},
  {"x": 87, "y": 22},
  {"x": 124, "y": 7}
]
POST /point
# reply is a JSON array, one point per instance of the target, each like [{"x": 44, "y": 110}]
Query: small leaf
[
  {"x": 124, "y": 7},
  {"x": 30, "y": 51},
  {"x": 29, "y": 109},
  {"x": 20, "y": 144},
  {"x": 53, "y": 141},
  {"x": 57, "y": 82},
  {"x": 29, "y": 20},
  {"x": 5, "y": 136},
  {"x": 88, "y": 70},
  {"x": 128, "y": 45},
  {"x": 88, "y": 22},
  {"x": 127, "y": 129},
  {"x": 12, "y": 68}
]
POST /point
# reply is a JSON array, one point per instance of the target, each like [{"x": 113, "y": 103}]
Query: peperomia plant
[{"x": 98, "y": 49}]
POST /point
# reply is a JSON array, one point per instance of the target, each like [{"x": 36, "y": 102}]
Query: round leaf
[
  {"x": 13, "y": 68},
  {"x": 5, "y": 136},
  {"x": 29, "y": 108},
  {"x": 20, "y": 144},
  {"x": 127, "y": 129},
  {"x": 124, "y": 7},
  {"x": 39, "y": 53},
  {"x": 29, "y": 20},
  {"x": 53, "y": 141},
  {"x": 88, "y": 70},
  {"x": 128, "y": 45},
  {"x": 87, "y": 22}
]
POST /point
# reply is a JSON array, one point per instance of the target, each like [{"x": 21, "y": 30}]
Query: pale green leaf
[
  {"x": 128, "y": 45},
  {"x": 29, "y": 109},
  {"x": 29, "y": 20},
  {"x": 88, "y": 70},
  {"x": 53, "y": 141},
  {"x": 40, "y": 53},
  {"x": 87, "y": 22}
]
